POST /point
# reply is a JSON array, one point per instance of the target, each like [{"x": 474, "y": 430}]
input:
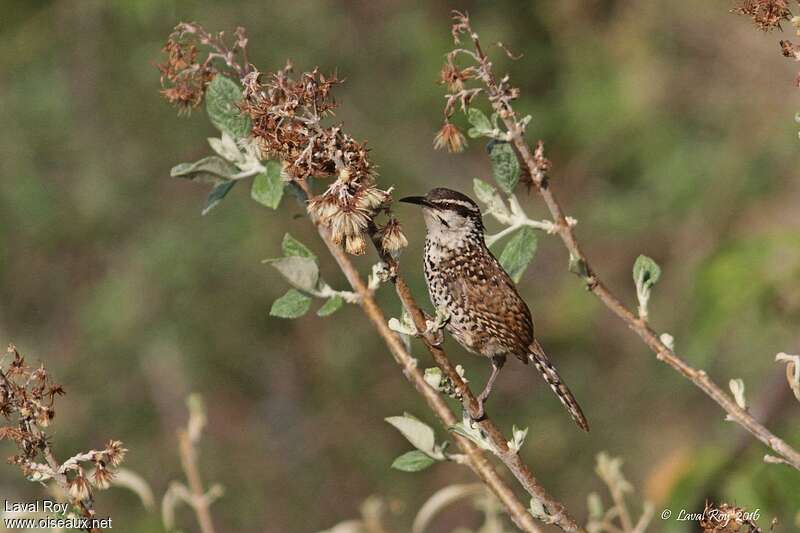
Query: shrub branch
[{"x": 500, "y": 94}]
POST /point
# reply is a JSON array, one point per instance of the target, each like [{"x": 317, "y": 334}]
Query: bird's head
[{"x": 449, "y": 214}]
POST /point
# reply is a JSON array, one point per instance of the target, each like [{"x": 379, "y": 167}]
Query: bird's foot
[
  {"x": 480, "y": 414},
  {"x": 434, "y": 325}
]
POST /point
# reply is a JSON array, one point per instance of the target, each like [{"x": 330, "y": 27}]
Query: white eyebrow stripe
[{"x": 462, "y": 203}]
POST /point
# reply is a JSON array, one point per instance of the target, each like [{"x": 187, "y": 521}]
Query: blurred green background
[{"x": 671, "y": 131}]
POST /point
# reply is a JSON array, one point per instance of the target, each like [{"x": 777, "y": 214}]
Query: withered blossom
[
  {"x": 79, "y": 488},
  {"x": 183, "y": 79},
  {"x": 346, "y": 208},
  {"x": 766, "y": 14},
  {"x": 356, "y": 245},
  {"x": 102, "y": 477},
  {"x": 454, "y": 77},
  {"x": 450, "y": 138},
  {"x": 26, "y": 401},
  {"x": 392, "y": 238},
  {"x": 115, "y": 452}
]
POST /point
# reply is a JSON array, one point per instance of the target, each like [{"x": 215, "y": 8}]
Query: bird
[{"x": 486, "y": 314}]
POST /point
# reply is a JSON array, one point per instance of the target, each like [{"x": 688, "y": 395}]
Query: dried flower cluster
[
  {"x": 456, "y": 78},
  {"x": 287, "y": 114},
  {"x": 792, "y": 50},
  {"x": 26, "y": 398},
  {"x": 347, "y": 209},
  {"x": 26, "y": 401},
  {"x": 184, "y": 77},
  {"x": 766, "y": 14}
]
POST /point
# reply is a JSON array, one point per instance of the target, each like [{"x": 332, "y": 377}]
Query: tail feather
[{"x": 550, "y": 375}]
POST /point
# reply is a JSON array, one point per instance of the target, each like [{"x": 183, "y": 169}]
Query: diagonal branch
[
  {"x": 476, "y": 458},
  {"x": 534, "y": 163}
]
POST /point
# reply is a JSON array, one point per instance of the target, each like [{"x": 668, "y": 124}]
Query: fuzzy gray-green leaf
[
  {"x": 333, "y": 304},
  {"x": 267, "y": 187},
  {"x": 413, "y": 461},
  {"x": 505, "y": 165},
  {"x": 212, "y": 169},
  {"x": 222, "y": 96},
  {"x": 293, "y": 247},
  {"x": 293, "y": 304},
  {"x": 216, "y": 195},
  {"x": 481, "y": 125},
  {"x": 518, "y": 253},
  {"x": 483, "y": 191},
  {"x": 417, "y": 432},
  {"x": 302, "y": 272}
]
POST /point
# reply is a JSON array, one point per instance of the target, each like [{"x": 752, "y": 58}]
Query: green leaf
[
  {"x": 267, "y": 187},
  {"x": 331, "y": 306},
  {"x": 518, "y": 253},
  {"x": 489, "y": 196},
  {"x": 222, "y": 96},
  {"x": 505, "y": 165},
  {"x": 481, "y": 125},
  {"x": 292, "y": 247},
  {"x": 413, "y": 461},
  {"x": 216, "y": 195},
  {"x": 211, "y": 169},
  {"x": 302, "y": 272},
  {"x": 418, "y": 433},
  {"x": 293, "y": 304},
  {"x": 483, "y": 191},
  {"x": 646, "y": 272}
]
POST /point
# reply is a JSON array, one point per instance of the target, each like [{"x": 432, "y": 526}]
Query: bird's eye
[{"x": 446, "y": 225}]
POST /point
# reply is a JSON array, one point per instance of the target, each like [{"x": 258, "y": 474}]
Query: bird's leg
[
  {"x": 434, "y": 325},
  {"x": 497, "y": 363}
]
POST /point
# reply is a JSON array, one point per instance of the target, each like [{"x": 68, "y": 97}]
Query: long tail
[{"x": 550, "y": 375}]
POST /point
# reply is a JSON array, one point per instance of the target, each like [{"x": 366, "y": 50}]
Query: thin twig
[
  {"x": 501, "y": 104},
  {"x": 200, "y": 502}
]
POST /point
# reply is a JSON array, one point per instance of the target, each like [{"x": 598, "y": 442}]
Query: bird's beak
[{"x": 419, "y": 200}]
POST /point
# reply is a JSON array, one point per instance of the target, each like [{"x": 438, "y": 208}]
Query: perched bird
[{"x": 487, "y": 316}]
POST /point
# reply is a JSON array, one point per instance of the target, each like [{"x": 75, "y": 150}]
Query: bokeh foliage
[{"x": 671, "y": 134}]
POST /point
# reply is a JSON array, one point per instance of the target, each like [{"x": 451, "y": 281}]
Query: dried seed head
[
  {"x": 183, "y": 79},
  {"x": 392, "y": 238},
  {"x": 102, "y": 477},
  {"x": 43, "y": 416},
  {"x": 356, "y": 245},
  {"x": 450, "y": 138},
  {"x": 115, "y": 452},
  {"x": 345, "y": 175},
  {"x": 371, "y": 199},
  {"x": 347, "y": 208},
  {"x": 766, "y": 14},
  {"x": 323, "y": 207},
  {"x": 79, "y": 488},
  {"x": 347, "y": 224},
  {"x": 454, "y": 77}
]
